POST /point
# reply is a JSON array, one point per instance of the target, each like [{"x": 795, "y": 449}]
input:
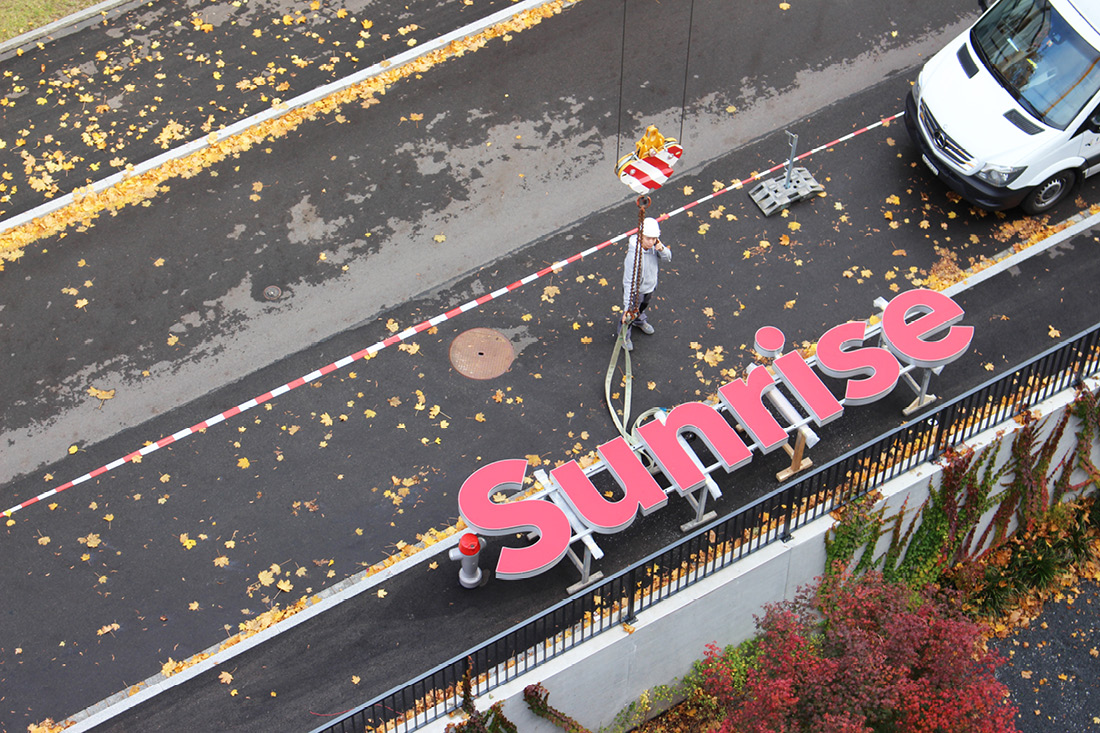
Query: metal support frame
[
  {"x": 921, "y": 390},
  {"x": 581, "y": 533},
  {"x": 698, "y": 501}
]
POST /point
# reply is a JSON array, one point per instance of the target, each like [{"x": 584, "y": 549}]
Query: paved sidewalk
[
  {"x": 1053, "y": 668},
  {"x": 80, "y": 106}
]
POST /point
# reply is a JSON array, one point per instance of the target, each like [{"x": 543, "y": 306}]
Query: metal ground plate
[{"x": 481, "y": 353}]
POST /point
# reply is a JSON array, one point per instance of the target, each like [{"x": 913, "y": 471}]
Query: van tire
[{"x": 1049, "y": 193}]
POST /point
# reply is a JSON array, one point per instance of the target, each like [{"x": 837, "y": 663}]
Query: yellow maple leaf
[
  {"x": 498, "y": 396},
  {"x": 480, "y": 417},
  {"x": 381, "y": 593},
  {"x": 103, "y": 394},
  {"x": 326, "y": 419},
  {"x": 81, "y": 303},
  {"x": 794, "y": 226},
  {"x": 193, "y": 606},
  {"x": 440, "y": 237},
  {"x": 159, "y": 262},
  {"x": 221, "y": 561},
  {"x": 788, "y": 305},
  {"x": 688, "y": 190},
  {"x": 284, "y": 585},
  {"x": 173, "y": 339},
  {"x": 355, "y": 679},
  {"x": 243, "y": 463},
  {"x": 44, "y": 540},
  {"x": 225, "y": 678},
  {"x": 893, "y": 200},
  {"x": 550, "y": 292},
  {"x": 1054, "y": 332},
  {"x": 265, "y": 577}
]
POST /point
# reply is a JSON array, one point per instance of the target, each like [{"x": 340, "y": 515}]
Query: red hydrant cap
[{"x": 469, "y": 544}]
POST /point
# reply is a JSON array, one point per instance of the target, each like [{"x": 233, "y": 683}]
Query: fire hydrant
[{"x": 468, "y": 551}]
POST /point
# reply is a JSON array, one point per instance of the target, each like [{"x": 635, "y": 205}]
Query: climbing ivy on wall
[{"x": 1026, "y": 493}]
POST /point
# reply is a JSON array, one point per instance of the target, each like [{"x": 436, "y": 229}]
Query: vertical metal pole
[
  {"x": 790, "y": 161},
  {"x": 631, "y": 581}
]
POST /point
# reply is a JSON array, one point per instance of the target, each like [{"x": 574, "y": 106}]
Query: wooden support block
[{"x": 798, "y": 462}]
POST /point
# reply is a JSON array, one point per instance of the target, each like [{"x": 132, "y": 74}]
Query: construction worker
[{"x": 640, "y": 277}]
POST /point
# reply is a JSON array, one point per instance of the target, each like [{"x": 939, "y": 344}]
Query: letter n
[
  {"x": 663, "y": 442},
  {"x": 639, "y": 489}
]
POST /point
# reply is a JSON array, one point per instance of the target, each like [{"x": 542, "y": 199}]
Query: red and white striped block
[{"x": 650, "y": 173}]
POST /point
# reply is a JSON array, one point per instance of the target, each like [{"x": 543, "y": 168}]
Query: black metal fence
[{"x": 617, "y": 599}]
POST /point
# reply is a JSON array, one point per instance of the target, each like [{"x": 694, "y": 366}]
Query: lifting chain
[{"x": 636, "y": 277}]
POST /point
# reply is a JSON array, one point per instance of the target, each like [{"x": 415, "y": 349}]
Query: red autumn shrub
[{"x": 861, "y": 655}]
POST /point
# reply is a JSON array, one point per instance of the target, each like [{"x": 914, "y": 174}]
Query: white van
[{"x": 1008, "y": 114}]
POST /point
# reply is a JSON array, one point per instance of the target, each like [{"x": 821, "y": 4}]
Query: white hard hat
[{"x": 650, "y": 228}]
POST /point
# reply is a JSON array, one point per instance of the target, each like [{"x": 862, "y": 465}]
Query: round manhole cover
[{"x": 481, "y": 353}]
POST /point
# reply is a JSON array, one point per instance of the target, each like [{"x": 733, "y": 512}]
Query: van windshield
[{"x": 1039, "y": 58}]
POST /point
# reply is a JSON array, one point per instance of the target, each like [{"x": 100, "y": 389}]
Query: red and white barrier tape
[{"x": 414, "y": 330}]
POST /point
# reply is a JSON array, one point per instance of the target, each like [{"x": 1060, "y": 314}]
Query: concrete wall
[{"x": 596, "y": 680}]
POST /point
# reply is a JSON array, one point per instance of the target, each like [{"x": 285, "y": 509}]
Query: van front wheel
[{"x": 1049, "y": 193}]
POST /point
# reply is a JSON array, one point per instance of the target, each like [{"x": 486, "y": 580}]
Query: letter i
[{"x": 807, "y": 387}]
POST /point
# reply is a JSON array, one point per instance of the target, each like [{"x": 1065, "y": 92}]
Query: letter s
[
  {"x": 530, "y": 515},
  {"x": 839, "y": 356}
]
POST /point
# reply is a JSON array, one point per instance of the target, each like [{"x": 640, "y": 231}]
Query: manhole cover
[{"x": 481, "y": 353}]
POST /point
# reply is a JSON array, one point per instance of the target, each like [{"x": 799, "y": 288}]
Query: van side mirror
[{"x": 1094, "y": 122}]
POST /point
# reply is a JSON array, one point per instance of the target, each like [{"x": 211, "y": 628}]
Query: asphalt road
[
  {"x": 516, "y": 144},
  {"x": 511, "y": 165}
]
